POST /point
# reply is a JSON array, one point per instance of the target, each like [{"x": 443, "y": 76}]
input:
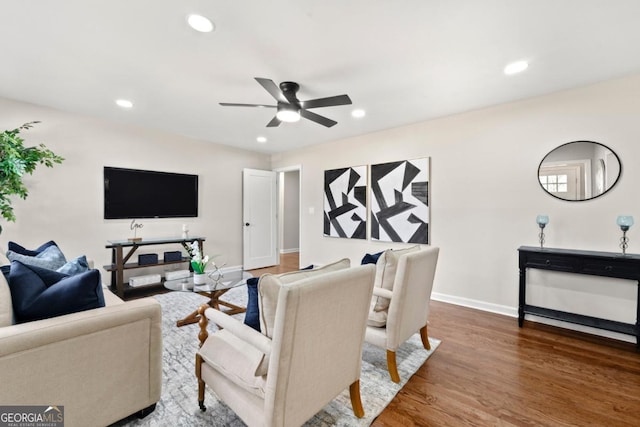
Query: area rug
[{"x": 179, "y": 402}]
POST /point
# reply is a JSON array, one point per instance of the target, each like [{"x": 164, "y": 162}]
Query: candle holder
[
  {"x": 625, "y": 222},
  {"x": 542, "y": 221}
]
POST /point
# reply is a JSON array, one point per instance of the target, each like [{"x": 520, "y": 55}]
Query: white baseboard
[
  {"x": 289, "y": 251},
  {"x": 513, "y": 312},
  {"x": 478, "y": 305}
]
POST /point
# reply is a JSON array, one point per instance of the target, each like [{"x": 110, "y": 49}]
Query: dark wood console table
[
  {"x": 604, "y": 264},
  {"x": 119, "y": 262}
]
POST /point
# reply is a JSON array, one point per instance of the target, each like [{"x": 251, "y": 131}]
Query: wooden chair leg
[
  {"x": 425, "y": 337},
  {"x": 392, "y": 367},
  {"x": 200, "y": 383},
  {"x": 356, "y": 402},
  {"x": 202, "y": 337}
]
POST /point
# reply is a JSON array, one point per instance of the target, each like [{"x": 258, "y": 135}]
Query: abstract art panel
[
  {"x": 345, "y": 202},
  {"x": 400, "y": 201}
]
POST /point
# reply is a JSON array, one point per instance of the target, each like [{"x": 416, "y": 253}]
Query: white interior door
[{"x": 259, "y": 203}]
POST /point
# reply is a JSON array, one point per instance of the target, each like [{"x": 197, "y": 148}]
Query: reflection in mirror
[{"x": 579, "y": 170}]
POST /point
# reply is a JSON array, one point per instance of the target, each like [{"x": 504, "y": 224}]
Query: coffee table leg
[
  {"x": 191, "y": 318},
  {"x": 214, "y": 302}
]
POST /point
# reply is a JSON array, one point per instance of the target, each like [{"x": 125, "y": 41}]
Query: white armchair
[
  {"x": 408, "y": 309},
  {"x": 313, "y": 354}
]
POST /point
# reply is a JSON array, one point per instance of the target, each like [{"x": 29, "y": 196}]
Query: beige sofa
[{"x": 102, "y": 365}]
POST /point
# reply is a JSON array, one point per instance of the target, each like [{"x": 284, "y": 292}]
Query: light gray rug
[{"x": 179, "y": 402}]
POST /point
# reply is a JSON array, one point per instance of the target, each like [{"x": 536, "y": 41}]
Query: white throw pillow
[
  {"x": 386, "y": 268},
  {"x": 269, "y": 289}
]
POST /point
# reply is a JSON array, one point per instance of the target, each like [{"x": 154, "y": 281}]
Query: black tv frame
[{"x": 138, "y": 193}]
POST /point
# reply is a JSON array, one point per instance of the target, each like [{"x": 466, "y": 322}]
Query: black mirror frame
[{"x": 590, "y": 198}]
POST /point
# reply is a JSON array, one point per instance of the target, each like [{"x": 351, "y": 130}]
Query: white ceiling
[{"x": 403, "y": 61}]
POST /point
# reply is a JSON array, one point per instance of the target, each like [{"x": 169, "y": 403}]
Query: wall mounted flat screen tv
[{"x": 133, "y": 193}]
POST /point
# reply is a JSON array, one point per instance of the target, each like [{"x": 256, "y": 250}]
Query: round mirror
[{"x": 579, "y": 170}]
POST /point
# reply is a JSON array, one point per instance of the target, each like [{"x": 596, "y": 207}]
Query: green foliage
[{"x": 16, "y": 160}]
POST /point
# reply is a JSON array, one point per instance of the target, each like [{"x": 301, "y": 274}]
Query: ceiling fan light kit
[
  {"x": 290, "y": 108},
  {"x": 287, "y": 113}
]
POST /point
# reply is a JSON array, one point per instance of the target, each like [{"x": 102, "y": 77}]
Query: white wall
[
  {"x": 65, "y": 203},
  {"x": 485, "y": 194}
]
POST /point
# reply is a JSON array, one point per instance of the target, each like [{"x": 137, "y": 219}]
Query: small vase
[{"x": 199, "y": 278}]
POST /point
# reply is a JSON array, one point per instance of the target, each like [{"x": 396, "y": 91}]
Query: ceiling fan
[{"x": 290, "y": 108}]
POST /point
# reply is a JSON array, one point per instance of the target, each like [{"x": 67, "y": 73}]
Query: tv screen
[{"x": 133, "y": 193}]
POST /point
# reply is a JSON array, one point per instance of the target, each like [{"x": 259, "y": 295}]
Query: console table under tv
[
  {"x": 604, "y": 264},
  {"x": 119, "y": 262}
]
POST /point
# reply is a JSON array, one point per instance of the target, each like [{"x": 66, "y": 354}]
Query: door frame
[{"x": 279, "y": 212}]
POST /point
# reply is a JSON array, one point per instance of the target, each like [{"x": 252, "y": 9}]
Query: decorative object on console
[
  {"x": 185, "y": 231},
  {"x": 149, "y": 279},
  {"x": 135, "y": 227},
  {"x": 147, "y": 259},
  {"x": 345, "y": 202},
  {"x": 542, "y": 221},
  {"x": 625, "y": 222},
  {"x": 171, "y": 256},
  {"x": 400, "y": 201},
  {"x": 19, "y": 161}
]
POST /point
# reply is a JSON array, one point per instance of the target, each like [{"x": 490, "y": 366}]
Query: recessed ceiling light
[
  {"x": 200, "y": 23},
  {"x": 124, "y": 103},
  {"x": 516, "y": 67},
  {"x": 358, "y": 113},
  {"x": 261, "y": 139}
]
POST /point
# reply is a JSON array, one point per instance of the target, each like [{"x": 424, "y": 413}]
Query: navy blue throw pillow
[
  {"x": 252, "y": 315},
  {"x": 39, "y": 293},
  {"x": 13, "y": 246},
  {"x": 370, "y": 258}
]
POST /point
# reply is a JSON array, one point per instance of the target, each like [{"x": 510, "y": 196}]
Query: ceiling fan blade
[
  {"x": 272, "y": 88},
  {"x": 231, "y": 104},
  {"x": 275, "y": 122},
  {"x": 317, "y": 118},
  {"x": 327, "y": 102}
]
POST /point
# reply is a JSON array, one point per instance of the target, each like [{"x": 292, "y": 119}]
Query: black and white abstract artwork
[
  {"x": 345, "y": 202},
  {"x": 400, "y": 201}
]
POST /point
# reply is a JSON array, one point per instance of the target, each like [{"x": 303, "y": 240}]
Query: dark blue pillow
[
  {"x": 252, "y": 315},
  {"x": 370, "y": 258},
  {"x": 13, "y": 246},
  {"x": 39, "y": 293}
]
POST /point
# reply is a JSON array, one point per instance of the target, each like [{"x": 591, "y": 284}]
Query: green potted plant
[{"x": 16, "y": 160}]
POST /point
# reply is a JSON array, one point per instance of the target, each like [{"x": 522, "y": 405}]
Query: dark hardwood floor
[{"x": 489, "y": 372}]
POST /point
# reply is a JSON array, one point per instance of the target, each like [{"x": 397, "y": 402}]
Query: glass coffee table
[{"x": 217, "y": 284}]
